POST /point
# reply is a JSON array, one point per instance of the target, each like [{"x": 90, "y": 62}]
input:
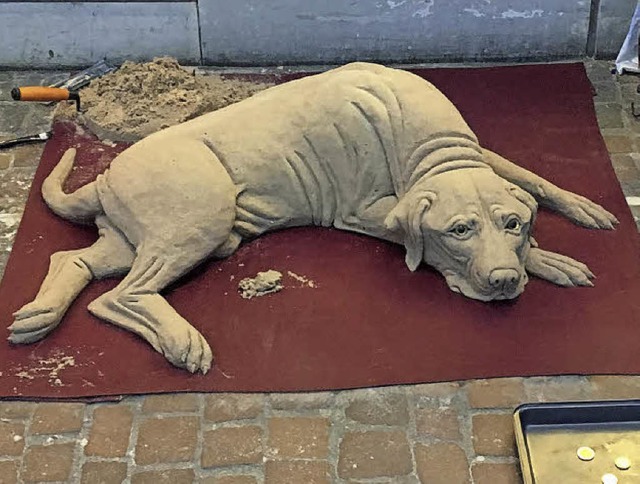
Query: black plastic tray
[{"x": 548, "y": 436}]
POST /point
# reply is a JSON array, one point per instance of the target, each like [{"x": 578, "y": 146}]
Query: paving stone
[
  {"x": 632, "y": 122},
  {"x": 440, "y": 423},
  {"x": 28, "y": 155},
  {"x": 48, "y": 463},
  {"x": 170, "y": 476},
  {"x": 599, "y": 71},
  {"x": 300, "y": 401},
  {"x": 619, "y": 143},
  {"x": 9, "y": 472},
  {"x": 629, "y": 92},
  {"x": 436, "y": 390},
  {"x": 379, "y": 409},
  {"x": 170, "y": 403},
  {"x": 636, "y": 215},
  {"x": 496, "y": 474},
  {"x": 442, "y": 463},
  {"x": 57, "y": 418},
  {"x": 239, "y": 479},
  {"x": 614, "y": 387},
  {"x": 609, "y": 115},
  {"x": 496, "y": 393},
  {"x": 104, "y": 473},
  {"x": 630, "y": 189},
  {"x": 222, "y": 407},
  {"x": 11, "y": 438},
  {"x": 9, "y": 223},
  {"x": 374, "y": 454},
  {"x": 232, "y": 446},
  {"x": 109, "y": 434},
  {"x": 5, "y": 160},
  {"x": 631, "y": 106},
  {"x": 493, "y": 434},
  {"x": 606, "y": 91},
  {"x": 298, "y": 437},
  {"x": 628, "y": 174},
  {"x": 14, "y": 189},
  {"x": 13, "y": 410},
  {"x": 169, "y": 439},
  {"x": 6, "y": 84},
  {"x": 38, "y": 119},
  {"x": 557, "y": 389},
  {"x": 625, "y": 168},
  {"x": 297, "y": 472},
  {"x": 628, "y": 78},
  {"x": 13, "y": 117},
  {"x": 3, "y": 261}
]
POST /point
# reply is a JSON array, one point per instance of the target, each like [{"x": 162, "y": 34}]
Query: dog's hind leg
[
  {"x": 135, "y": 304},
  {"x": 69, "y": 273}
]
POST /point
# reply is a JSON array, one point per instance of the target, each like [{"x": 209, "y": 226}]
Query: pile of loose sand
[{"x": 141, "y": 98}]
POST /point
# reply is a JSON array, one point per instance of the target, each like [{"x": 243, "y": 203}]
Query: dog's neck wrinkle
[
  {"x": 440, "y": 155},
  {"x": 446, "y": 166}
]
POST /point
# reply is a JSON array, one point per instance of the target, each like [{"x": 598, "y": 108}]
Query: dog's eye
[
  {"x": 460, "y": 230},
  {"x": 513, "y": 224}
]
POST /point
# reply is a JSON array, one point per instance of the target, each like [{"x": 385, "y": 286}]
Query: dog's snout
[{"x": 505, "y": 278}]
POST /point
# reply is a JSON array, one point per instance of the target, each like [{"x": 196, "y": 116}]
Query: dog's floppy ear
[
  {"x": 524, "y": 197},
  {"x": 407, "y": 216}
]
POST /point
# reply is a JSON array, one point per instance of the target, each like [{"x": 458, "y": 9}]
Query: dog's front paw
[
  {"x": 557, "y": 268},
  {"x": 185, "y": 347},
  {"x": 33, "y": 322},
  {"x": 583, "y": 211}
]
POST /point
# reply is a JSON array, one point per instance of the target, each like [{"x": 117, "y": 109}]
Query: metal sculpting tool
[{"x": 25, "y": 139}]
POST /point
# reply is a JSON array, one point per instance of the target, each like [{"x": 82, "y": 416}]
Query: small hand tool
[
  {"x": 25, "y": 139},
  {"x": 83, "y": 78}
]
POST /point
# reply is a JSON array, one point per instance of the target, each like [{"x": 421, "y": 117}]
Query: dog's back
[{"x": 315, "y": 150}]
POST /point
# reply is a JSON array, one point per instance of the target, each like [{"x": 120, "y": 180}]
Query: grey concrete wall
[
  {"x": 273, "y": 32},
  {"x": 43, "y": 34},
  {"x": 613, "y": 25},
  {"x": 294, "y": 31}
]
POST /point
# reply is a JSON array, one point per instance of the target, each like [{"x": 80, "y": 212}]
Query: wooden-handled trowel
[
  {"x": 66, "y": 90},
  {"x": 45, "y": 94}
]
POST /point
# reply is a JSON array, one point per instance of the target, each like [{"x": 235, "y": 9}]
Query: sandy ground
[{"x": 141, "y": 98}]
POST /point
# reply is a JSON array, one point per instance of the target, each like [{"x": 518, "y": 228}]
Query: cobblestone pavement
[{"x": 449, "y": 433}]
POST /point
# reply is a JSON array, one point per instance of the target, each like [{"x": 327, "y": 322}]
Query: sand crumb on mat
[
  {"x": 264, "y": 283},
  {"x": 139, "y": 99},
  {"x": 50, "y": 368},
  {"x": 303, "y": 280}
]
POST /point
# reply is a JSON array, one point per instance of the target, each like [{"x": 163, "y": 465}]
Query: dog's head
[{"x": 473, "y": 227}]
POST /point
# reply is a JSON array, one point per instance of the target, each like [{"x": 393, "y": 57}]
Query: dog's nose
[{"x": 505, "y": 278}]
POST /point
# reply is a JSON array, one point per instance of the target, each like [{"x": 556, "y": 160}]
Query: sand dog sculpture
[{"x": 362, "y": 148}]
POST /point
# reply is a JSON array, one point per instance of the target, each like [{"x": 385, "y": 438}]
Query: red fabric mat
[{"x": 369, "y": 321}]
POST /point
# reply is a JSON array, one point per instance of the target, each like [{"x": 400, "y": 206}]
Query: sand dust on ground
[{"x": 141, "y": 98}]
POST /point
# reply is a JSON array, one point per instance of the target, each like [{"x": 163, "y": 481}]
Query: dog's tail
[{"x": 80, "y": 206}]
